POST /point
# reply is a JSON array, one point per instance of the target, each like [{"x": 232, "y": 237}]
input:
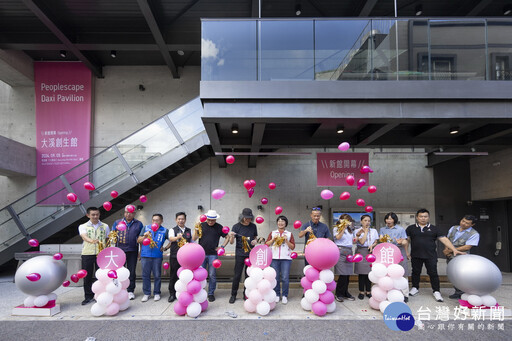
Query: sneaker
[
  {"x": 211, "y": 298},
  {"x": 438, "y": 297},
  {"x": 171, "y": 298},
  {"x": 413, "y": 291},
  {"x": 145, "y": 298},
  {"x": 232, "y": 299},
  {"x": 284, "y": 299},
  {"x": 131, "y": 295},
  {"x": 455, "y": 296},
  {"x": 156, "y": 298},
  {"x": 338, "y": 298},
  {"x": 277, "y": 299},
  {"x": 369, "y": 295},
  {"x": 349, "y": 297},
  {"x": 360, "y": 296},
  {"x": 87, "y": 301}
]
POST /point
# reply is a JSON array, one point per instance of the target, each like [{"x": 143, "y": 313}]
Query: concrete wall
[{"x": 490, "y": 176}]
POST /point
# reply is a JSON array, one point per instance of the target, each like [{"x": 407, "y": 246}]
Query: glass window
[{"x": 500, "y": 49}]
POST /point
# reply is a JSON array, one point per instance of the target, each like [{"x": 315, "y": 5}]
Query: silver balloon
[
  {"x": 475, "y": 275},
  {"x": 53, "y": 272}
]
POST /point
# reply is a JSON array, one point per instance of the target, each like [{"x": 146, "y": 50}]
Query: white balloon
[
  {"x": 178, "y": 293},
  {"x": 464, "y": 297},
  {"x": 113, "y": 288},
  {"x": 269, "y": 273},
  {"x": 201, "y": 296},
  {"x": 125, "y": 305},
  {"x": 98, "y": 309},
  {"x": 306, "y": 268},
  {"x": 373, "y": 278},
  {"x": 180, "y": 286},
  {"x": 379, "y": 270},
  {"x": 489, "y": 301},
  {"x": 29, "y": 301},
  {"x": 319, "y": 286},
  {"x": 102, "y": 275},
  {"x": 400, "y": 283},
  {"x": 395, "y": 271},
  {"x": 122, "y": 274},
  {"x": 273, "y": 283},
  {"x": 305, "y": 304},
  {"x": 193, "y": 309},
  {"x": 327, "y": 276},
  {"x": 383, "y": 305},
  {"x": 249, "y": 306},
  {"x": 263, "y": 308},
  {"x": 264, "y": 286},
  {"x": 104, "y": 299},
  {"x": 255, "y": 295},
  {"x": 41, "y": 301},
  {"x": 395, "y": 296},
  {"x": 186, "y": 276},
  {"x": 475, "y": 300},
  {"x": 249, "y": 268},
  {"x": 331, "y": 307},
  {"x": 311, "y": 296},
  {"x": 250, "y": 283},
  {"x": 203, "y": 283},
  {"x": 270, "y": 296},
  {"x": 257, "y": 274},
  {"x": 52, "y": 296},
  {"x": 386, "y": 283}
]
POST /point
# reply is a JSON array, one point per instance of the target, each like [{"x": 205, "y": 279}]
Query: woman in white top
[
  {"x": 282, "y": 243},
  {"x": 365, "y": 236}
]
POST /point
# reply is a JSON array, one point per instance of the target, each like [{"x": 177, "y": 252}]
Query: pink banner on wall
[
  {"x": 333, "y": 168},
  {"x": 63, "y": 127}
]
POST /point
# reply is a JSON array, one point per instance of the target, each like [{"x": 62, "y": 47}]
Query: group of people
[{"x": 421, "y": 237}]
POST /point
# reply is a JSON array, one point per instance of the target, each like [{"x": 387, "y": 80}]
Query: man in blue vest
[
  {"x": 314, "y": 228},
  {"x": 151, "y": 256},
  {"x": 127, "y": 241},
  {"x": 463, "y": 237}
]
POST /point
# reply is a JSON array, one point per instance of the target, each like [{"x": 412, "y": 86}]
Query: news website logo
[{"x": 398, "y": 317}]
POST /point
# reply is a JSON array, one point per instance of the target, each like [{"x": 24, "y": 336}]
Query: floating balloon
[
  {"x": 250, "y": 192},
  {"x": 370, "y": 258},
  {"x": 130, "y": 208},
  {"x": 368, "y": 209},
  {"x": 247, "y": 184},
  {"x": 218, "y": 194},
  {"x": 114, "y": 194},
  {"x": 81, "y": 273},
  {"x": 361, "y": 183},
  {"x": 34, "y": 277},
  {"x": 154, "y": 227},
  {"x": 72, "y": 197},
  {"x": 107, "y": 205},
  {"x": 230, "y": 159},
  {"x": 146, "y": 242},
  {"x": 247, "y": 262},
  {"x": 221, "y": 252},
  {"x": 293, "y": 255},
  {"x": 264, "y": 201},
  {"x": 143, "y": 198},
  {"x": 112, "y": 274},
  {"x": 297, "y": 224},
  {"x": 350, "y": 258},
  {"x": 253, "y": 183},
  {"x": 66, "y": 284},
  {"x": 225, "y": 229},
  {"x": 202, "y": 218},
  {"x": 74, "y": 278},
  {"x": 166, "y": 265},
  {"x": 344, "y": 146},
  {"x": 366, "y": 169},
  {"x": 216, "y": 263},
  {"x": 33, "y": 242},
  {"x": 278, "y": 210},
  {"x": 326, "y": 194},
  {"x": 344, "y": 196},
  {"x": 360, "y": 202},
  {"x": 89, "y": 186},
  {"x": 357, "y": 258},
  {"x": 372, "y": 189},
  {"x": 259, "y": 220},
  {"x": 272, "y": 185},
  {"x": 121, "y": 226},
  {"x": 58, "y": 256},
  {"x": 350, "y": 180}
]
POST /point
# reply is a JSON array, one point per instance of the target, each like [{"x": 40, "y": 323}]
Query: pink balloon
[
  {"x": 386, "y": 283},
  {"x": 114, "y": 194},
  {"x": 293, "y": 255},
  {"x": 278, "y": 210},
  {"x": 193, "y": 287},
  {"x": 306, "y": 283},
  {"x": 34, "y": 277},
  {"x": 350, "y": 180},
  {"x": 249, "y": 306},
  {"x": 312, "y": 274},
  {"x": 107, "y": 205},
  {"x": 264, "y": 201},
  {"x": 221, "y": 252},
  {"x": 378, "y": 294},
  {"x": 58, "y": 256},
  {"x": 66, "y": 284},
  {"x": 146, "y": 241},
  {"x": 272, "y": 185},
  {"x": 217, "y": 264},
  {"x": 344, "y": 146},
  {"x": 130, "y": 208},
  {"x": 247, "y": 262},
  {"x": 370, "y": 258},
  {"x": 154, "y": 227},
  {"x": 344, "y": 196},
  {"x": 166, "y": 265},
  {"x": 250, "y": 192},
  {"x": 230, "y": 159},
  {"x": 372, "y": 189},
  {"x": 125, "y": 284},
  {"x": 202, "y": 218},
  {"x": 218, "y": 194},
  {"x": 191, "y": 256},
  {"x": 200, "y": 274},
  {"x": 326, "y": 194},
  {"x": 322, "y": 253},
  {"x": 259, "y": 220},
  {"x": 350, "y": 258},
  {"x": 179, "y": 308},
  {"x": 74, "y": 278},
  {"x": 121, "y": 297},
  {"x": 361, "y": 183},
  {"x": 401, "y": 259},
  {"x": 247, "y": 184},
  {"x": 180, "y": 269},
  {"x": 33, "y": 242},
  {"x": 112, "y": 274},
  {"x": 185, "y": 298},
  {"x": 272, "y": 305},
  {"x": 331, "y": 286},
  {"x": 253, "y": 183},
  {"x": 327, "y": 297},
  {"x": 319, "y": 308},
  {"x": 121, "y": 226},
  {"x": 143, "y": 198},
  {"x": 368, "y": 209},
  {"x": 204, "y": 305},
  {"x": 366, "y": 169},
  {"x": 225, "y": 229},
  {"x": 374, "y": 304},
  {"x": 357, "y": 258},
  {"x": 297, "y": 224},
  {"x": 112, "y": 309},
  {"x": 89, "y": 186},
  {"x": 360, "y": 202},
  {"x": 81, "y": 273},
  {"x": 72, "y": 197}
]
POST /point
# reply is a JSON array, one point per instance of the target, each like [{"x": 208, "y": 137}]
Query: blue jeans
[
  {"x": 282, "y": 267},
  {"x": 151, "y": 265},
  {"x": 212, "y": 272}
]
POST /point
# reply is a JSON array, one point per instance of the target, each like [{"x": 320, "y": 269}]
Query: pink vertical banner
[
  {"x": 63, "y": 93},
  {"x": 333, "y": 168}
]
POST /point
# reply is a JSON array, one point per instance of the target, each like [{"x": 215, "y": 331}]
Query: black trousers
[
  {"x": 239, "y": 268},
  {"x": 89, "y": 264},
  {"x": 364, "y": 283},
  {"x": 131, "y": 264},
  {"x": 342, "y": 286},
  {"x": 173, "y": 274},
  {"x": 431, "y": 265}
]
